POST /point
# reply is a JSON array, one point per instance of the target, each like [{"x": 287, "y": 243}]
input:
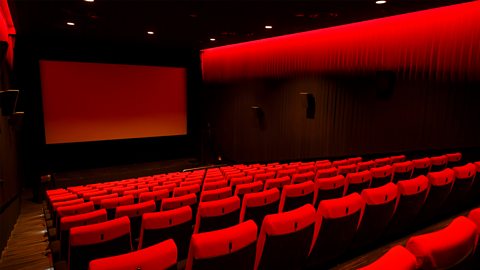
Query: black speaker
[
  {"x": 385, "y": 83},
  {"x": 259, "y": 115},
  {"x": 310, "y": 106},
  {"x": 8, "y": 101}
]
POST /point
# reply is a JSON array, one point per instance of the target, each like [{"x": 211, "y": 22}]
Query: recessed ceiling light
[
  {"x": 379, "y": 2},
  {"x": 70, "y": 23},
  {"x": 150, "y": 32},
  {"x": 268, "y": 27},
  {"x": 89, "y": 1},
  {"x": 212, "y": 39}
]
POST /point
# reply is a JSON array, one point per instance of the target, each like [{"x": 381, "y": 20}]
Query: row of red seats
[
  {"x": 335, "y": 213},
  {"x": 453, "y": 246}
]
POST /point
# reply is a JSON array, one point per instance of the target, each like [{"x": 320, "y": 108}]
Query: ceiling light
[
  {"x": 89, "y": 1},
  {"x": 268, "y": 27},
  {"x": 212, "y": 39},
  {"x": 70, "y": 23},
  {"x": 379, "y": 2},
  {"x": 150, "y": 32}
]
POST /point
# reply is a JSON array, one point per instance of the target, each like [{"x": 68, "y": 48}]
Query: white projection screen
[{"x": 84, "y": 102}]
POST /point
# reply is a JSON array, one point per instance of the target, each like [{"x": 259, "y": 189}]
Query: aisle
[{"x": 27, "y": 246}]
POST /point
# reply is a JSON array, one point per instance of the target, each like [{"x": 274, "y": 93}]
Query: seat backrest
[
  {"x": 264, "y": 176},
  {"x": 474, "y": 215},
  {"x": 160, "y": 256},
  {"x": 88, "y": 195},
  {"x": 154, "y": 195},
  {"x": 256, "y": 206},
  {"x": 296, "y": 195},
  {"x": 243, "y": 189},
  {"x": 366, "y": 165},
  {"x": 307, "y": 168},
  {"x": 135, "y": 210},
  {"x": 453, "y": 159},
  {"x": 240, "y": 180},
  {"x": 446, "y": 247},
  {"x": 66, "y": 223},
  {"x": 346, "y": 169},
  {"x": 176, "y": 202},
  {"x": 322, "y": 165},
  {"x": 215, "y": 185},
  {"x": 466, "y": 172},
  {"x": 111, "y": 204},
  {"x": 160, "y": 226},
  {"x": 402, "y": 171},
  {"x": 337, "y": 221},
  {"x": 99, "y": 240},
  {"x": 396, "y": 258},
  {"x": 438, "y": 163},
  {"x": 421, "y": 166},
  {"x": 180, "y": 191},
  {"x": 380, "y": 205},
  {"x": 120, "y": 190},
  {"x": 293, "y": 229},
  {"x": 381, "y": 175},
  {"x": 219, "y": 214},
  {"x": 71, "y": 210},
  {"x": 329, "y": 188},
  {"x": 228, "y": 248},
  {"x": 97, "y": 199},
  {"x": 441, "y": 184},
  {"x": 342, "y": 162},
  {"x": 356, "y": 182},
  {"x": 286, "y": 172},
  {"x": 411, "y": 198},
  {"x": 216, "y": 194},
  {"x": 355, "y": 160},
  {"x": 399, "y": 158},
  {"x": 303, "y": 177},
  {"x": 278, "y": 183},
  {"x": 56, "y": 205},
  {"x": 379, "y": 162},
  {"x": 325, "y": 173}
]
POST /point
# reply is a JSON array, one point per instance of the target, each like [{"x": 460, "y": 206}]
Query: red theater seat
[
  {"x": 88, "y": 195},
  {"x": 216, "y": 194},
  {"x": 97, "y": 199},
  {"x": 454, "y": 159},
  {"x": 402, "y": 171},
  {"x": 176, "y": 224},
  {"x": 337, "y": 221},
  {"x": 367, "y": 165},
  {"x": 380, "y": 205},
  {"x": 159, "y": 256},
  {"x": 346, "y": 169},
  {"x": 325, "y": 173},
  {"x": 303, "y": 177},
  {"x": 307, "y": 168},
  {"x": 463, "y": 184},
  {"x": 264, "y": 176},
  {"x": 185, "y": 190},
  {"x": 240, "y": 180},
  {"x": 411, "y": 198},
  {"x": 343, "y": 162},
  {"x": 399, "y": 158},
  {"x": 354, "y": 160},
  {"x": 215, "y": 185},
  {"x": 217, "y": 214},
  {"x": 230, "y": 248},
  {"x": 157, "y": 196},
  {"x": 438, "y": 163},
  {"x": 329, "y": 188},
  {"x": 71, "y": 210},
  {"x": 397, "y": 258},
  {"x": 322, "y": 165},
  {"x": 243, "y": 189},
  {"x": 177, "y": 202},
  {"x": 285, "y": 239},
  {"x": 447, "y": 247},
  {"x": 441, "y": 184},
  {"x": 99, "y": 240},
  {"x": 277, "y": 183},
  {"x": 256, "y": 206},
  {"x": 134, "y": 212},
  {"x": 379, "y": 162},
  {"x": 421, "y": 166},
  {"x": 356, "y": 182},
  {"x": 286, "y": 172},
  {"x": 112, "y": 204},
  {"x": 296, "y": 195},
  {"x": 381, "y": 175}
]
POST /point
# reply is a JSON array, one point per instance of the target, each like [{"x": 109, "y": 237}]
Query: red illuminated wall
[
  {"x": 441, "y": 43},
  {"x": 91, "y": 102}
]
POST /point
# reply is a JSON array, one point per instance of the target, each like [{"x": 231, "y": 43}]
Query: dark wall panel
[{"x": 355, "y": 115}]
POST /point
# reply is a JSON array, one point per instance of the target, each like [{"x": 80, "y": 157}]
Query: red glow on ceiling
[{"x": 439, "y": 43}]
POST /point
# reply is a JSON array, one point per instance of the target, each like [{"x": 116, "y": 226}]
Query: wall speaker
[
  {"x": 309, "y": 104},
  {"x": 259, "y": 116},
  {"x": 8, "y": 101},
  {"x": 385, "y": 83}
]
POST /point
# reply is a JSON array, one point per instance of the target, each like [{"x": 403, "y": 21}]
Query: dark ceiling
[{"x": 191, "y": 24}]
